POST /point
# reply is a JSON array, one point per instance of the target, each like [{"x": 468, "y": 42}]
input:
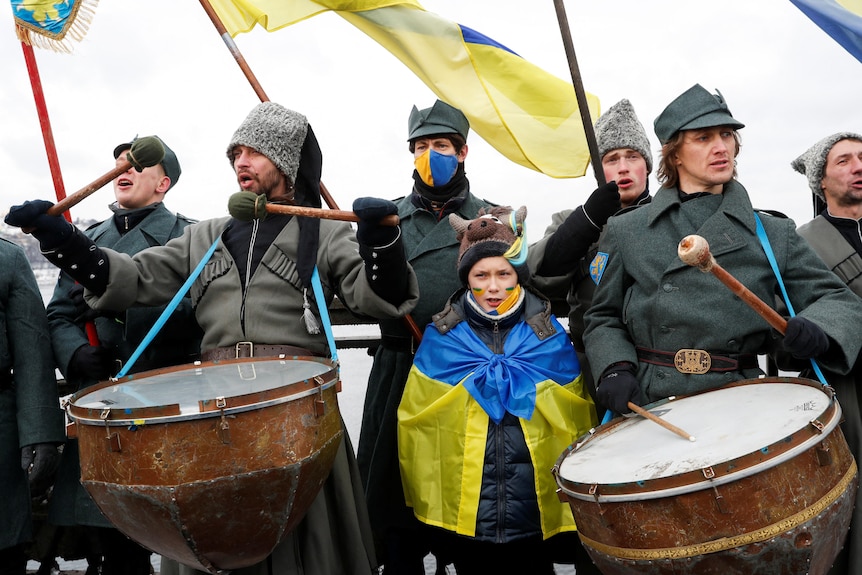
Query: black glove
[
  {"x": 92, "y": 362},
  {"x": 83, "y": 312},
  {"x": 617, "y": 386},
  {"x": 51, "y": 231},
  {"x": 40, "y": 461},
  {"x": 582, "y": 228},
  {"x": 370, "y": 211},
  {"x": 805, "y": 339}
]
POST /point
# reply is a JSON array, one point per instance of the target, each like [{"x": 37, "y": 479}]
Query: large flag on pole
[
  {"x": 51, "y": 23},
  {"x": 527, "y": 114},
  {"x": 841, "y": 19}
]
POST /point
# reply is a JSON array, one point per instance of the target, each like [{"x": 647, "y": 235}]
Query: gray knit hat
[
  {"x": 619, "y": 127},
  {"x": 812, "y": 164},
  {"x": 275, "y": 132}
]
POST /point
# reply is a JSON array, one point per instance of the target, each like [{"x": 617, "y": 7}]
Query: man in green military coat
[
  {"x": 31, "y": 422},
  {"x": 140, "y": 220},
  {"x": 437, "y": 139},
  {"x": 649, "y": 304}
]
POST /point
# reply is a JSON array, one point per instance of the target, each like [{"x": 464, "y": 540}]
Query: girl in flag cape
[{"x": 494, "y": 397}]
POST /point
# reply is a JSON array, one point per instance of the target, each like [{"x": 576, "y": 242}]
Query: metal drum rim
[
  {"x": 128, "y": 416},
  {"x": 640, "y": 493}
]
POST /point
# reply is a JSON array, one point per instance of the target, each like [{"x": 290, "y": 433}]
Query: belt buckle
[
  {"x": 244, "y": 349},
  {"x": 695, "y": 361}
]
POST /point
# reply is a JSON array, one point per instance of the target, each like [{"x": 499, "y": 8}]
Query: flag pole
[
  {"x": 51, "y": 150},
  {"x": 583, "y": 106},
  {"x": 249, "y": 74}
]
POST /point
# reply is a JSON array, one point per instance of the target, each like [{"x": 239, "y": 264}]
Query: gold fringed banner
[{"x": 51, "y": 24}]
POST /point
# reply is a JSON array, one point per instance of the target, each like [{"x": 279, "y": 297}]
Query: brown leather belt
[
  {"x": 245, "y": 349},
  {"x": 697, "y": 361}
]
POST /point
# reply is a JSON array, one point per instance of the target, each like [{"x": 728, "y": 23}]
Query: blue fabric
[
  {"x": 443, "y": 167},
  {"x": 499, "y": 382},
  {"x": 842, "y": 23}
]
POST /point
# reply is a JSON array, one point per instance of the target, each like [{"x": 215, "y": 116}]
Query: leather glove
[
  {"x": 602, "y": 204},
  {"x": 804, "y": 338},
  {"x": 83, "y": 312},
  {"x": 51, "y": 231},
  {"x": 572, "y": 240},
  {"x": 369, "y": 231},
  {"x": 617, "y": 386},
  {"x": 40, "y": 461},
  {"x": 92, "y": 362}
]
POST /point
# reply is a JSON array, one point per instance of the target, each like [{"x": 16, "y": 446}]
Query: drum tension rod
[
  {"x": 112, "y": 440},
  {"x": 824, "y": 457},
  {"x": 709, "y": 473},
  {"x": 223, "y": 426},
  {"x": 319, "y": 403}
]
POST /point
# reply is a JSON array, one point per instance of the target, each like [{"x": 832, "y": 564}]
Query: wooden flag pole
[
  {"x": 246, "y": 69},
  {"x": 583, "y": 106},
  {"x": 51, "y": 150}
]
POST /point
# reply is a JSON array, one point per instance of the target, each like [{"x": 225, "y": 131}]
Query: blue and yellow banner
[
  {"x": 529, "y": 115},
  {"x": 48, "y": 23},
  {"x": 841, "y": 19}
]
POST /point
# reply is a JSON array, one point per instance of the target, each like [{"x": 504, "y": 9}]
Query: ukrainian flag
[
  {"x": 46, "y": 23},
  {"x": 841, "y": 19},
  {"x": 527, "y": 114}
]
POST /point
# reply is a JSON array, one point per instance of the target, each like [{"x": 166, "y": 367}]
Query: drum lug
[
  {"x": 223, "y": 425},
  {"x": 112, "y": 440},
  {"x": 824, "y": 456},
  {"x": 817, "y": 425}
]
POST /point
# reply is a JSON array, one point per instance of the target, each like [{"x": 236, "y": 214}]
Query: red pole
[{"x": 50, "y": 149}]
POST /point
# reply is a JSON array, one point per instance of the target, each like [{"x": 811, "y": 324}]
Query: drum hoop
[
  {"x": 150, "y": 415},
  {"x": 566, "y": 485}
]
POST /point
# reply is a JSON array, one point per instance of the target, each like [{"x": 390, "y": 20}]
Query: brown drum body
[
  {"x": 782, "y": 509},
  {"x": 217, "y": 486}
]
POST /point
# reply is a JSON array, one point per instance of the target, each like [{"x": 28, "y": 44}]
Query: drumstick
[
  {"x": 247, "y": 206},
  {"x": 656, "y": 419},
  {"x": 694, "y": 250}
]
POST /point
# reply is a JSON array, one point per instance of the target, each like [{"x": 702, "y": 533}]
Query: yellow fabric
[
  {"x": 442, "y": 433},
  {"x": 528, "y": 115}
]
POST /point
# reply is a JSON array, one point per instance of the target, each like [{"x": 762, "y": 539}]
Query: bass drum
[
  {"x": 768, "y": 487},
  {"x": 210, "y": 464}
]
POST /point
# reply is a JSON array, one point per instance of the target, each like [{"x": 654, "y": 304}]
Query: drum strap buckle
[
  {"x": 695, "y": 361},
  {"x": 112, "y": 440}
]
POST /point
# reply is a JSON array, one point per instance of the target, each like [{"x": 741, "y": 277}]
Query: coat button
[{"x": 668, "y": 287}]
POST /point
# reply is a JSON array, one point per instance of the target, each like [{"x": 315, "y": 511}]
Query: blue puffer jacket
[{"x": 508, "y": 507}]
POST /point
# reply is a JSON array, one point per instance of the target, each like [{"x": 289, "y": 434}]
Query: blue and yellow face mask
[{"x": 436, "y": 169}]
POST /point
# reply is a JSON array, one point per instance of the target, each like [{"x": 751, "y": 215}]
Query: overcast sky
[{"x": 159, "y": 67}]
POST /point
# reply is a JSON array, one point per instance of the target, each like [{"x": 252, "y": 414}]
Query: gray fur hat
[
  {"x": 812, "y": 164},
  {"x": 619, "y": 127},
  {"x": 275, "y": 132}
]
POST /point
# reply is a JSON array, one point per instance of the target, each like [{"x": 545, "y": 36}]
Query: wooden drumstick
[
  {"x": 247, "y": 206},
  {"x": 694, "y": 250},
  {"x": 656, "y": 419}
]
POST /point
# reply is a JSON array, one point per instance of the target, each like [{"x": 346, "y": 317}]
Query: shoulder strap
[
  {"x": 764, "y": 241},
  {"x": 841, "y": 257}
]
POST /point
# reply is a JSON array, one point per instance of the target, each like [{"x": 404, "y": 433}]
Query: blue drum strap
[
  {"x": 163, "y": 318},
  {"x": 324, "y": 313},
  {"x": 764, "y": 240}
]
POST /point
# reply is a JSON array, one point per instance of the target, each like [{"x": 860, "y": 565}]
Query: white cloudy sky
[{"x": 159, "y": 67}]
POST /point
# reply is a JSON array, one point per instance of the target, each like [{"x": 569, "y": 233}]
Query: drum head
[
  {"x": 750, "y": 418},
  {"x": 202, "y": 389}
]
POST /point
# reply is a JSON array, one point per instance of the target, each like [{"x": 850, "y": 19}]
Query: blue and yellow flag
[
  {"x": 527, "y": 114},
  {"x": 48, "y": 23},
  {"x": 841, "y": 19}
]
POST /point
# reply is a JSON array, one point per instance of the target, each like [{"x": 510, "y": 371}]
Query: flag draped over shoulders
[
  {"x": 841, "y": 19},
  {"x": 48, "y": 23},
  {"x": 529, "y": 115}
]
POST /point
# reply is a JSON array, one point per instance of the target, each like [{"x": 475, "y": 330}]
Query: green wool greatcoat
[
  {"x": 178, "y": 342},
  {"x": 432, "y": 251},
  {"x": 648, "y": 297},
  {"x": 29, "y": 408}
]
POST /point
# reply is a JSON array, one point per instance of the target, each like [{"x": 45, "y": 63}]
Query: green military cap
[
  {"x": 441, "y": 118},
  {"x": 169, "y": 163},
  {"x": 694, "y": 109}
]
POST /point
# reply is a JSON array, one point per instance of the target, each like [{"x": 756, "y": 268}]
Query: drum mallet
[
  {"x": 656, "y": 419},
  {"x": 247, "y": 206},
  {"x": 694, "y": 251},
  {"x": 143, "y": 153}
]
